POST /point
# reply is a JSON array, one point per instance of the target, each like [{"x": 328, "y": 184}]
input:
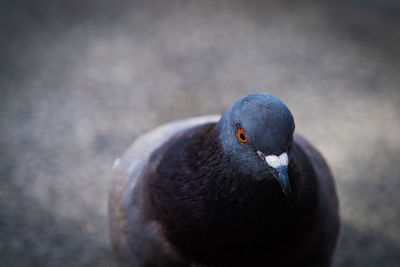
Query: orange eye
[{"x": 241, "y": 135}]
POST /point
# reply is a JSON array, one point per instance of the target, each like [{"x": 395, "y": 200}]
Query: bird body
[{"x": 204, "y": 192}]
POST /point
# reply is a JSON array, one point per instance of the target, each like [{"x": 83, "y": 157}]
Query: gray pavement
[{"x": 80, "y": 80}]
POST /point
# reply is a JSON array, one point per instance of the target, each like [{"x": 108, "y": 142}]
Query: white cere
[{"x": 275, "y": 161}]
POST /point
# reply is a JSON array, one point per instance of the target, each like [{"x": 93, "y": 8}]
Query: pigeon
[{"x": 241, "y": 189}]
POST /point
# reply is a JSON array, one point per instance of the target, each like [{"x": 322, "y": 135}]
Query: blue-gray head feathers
[{"x": 257, "y": 134}]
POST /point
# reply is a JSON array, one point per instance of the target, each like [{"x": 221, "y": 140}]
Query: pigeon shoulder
[
  {"x": 324, "y": 176},
  {"x": 125, "y": 219},
  {"x": 327, "y": 227}
]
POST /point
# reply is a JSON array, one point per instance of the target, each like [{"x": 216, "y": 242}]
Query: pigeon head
[{"x": 257, "y": 134}]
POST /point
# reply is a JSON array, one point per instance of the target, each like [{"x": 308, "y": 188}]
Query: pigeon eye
[{"x": 241, "y": 135}]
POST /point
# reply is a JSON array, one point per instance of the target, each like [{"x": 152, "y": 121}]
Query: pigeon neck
[{"x": 201, "y": 188}]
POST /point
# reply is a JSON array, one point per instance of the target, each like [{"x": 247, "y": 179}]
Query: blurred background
[{"x": 80, "y": 80}]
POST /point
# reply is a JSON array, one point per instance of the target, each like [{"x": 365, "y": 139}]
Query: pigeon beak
[
  {"x": 283, "y": 179},
  {"x": 279, "y": 167}
]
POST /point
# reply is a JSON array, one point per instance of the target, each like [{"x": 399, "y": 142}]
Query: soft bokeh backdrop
[{"x": 80, "y": 80}]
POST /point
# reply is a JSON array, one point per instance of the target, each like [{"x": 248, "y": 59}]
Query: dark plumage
[{"x": 242, "y": 190}]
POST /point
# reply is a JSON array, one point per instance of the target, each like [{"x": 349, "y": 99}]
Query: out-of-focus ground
[{"x": 80, "y": 80}]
